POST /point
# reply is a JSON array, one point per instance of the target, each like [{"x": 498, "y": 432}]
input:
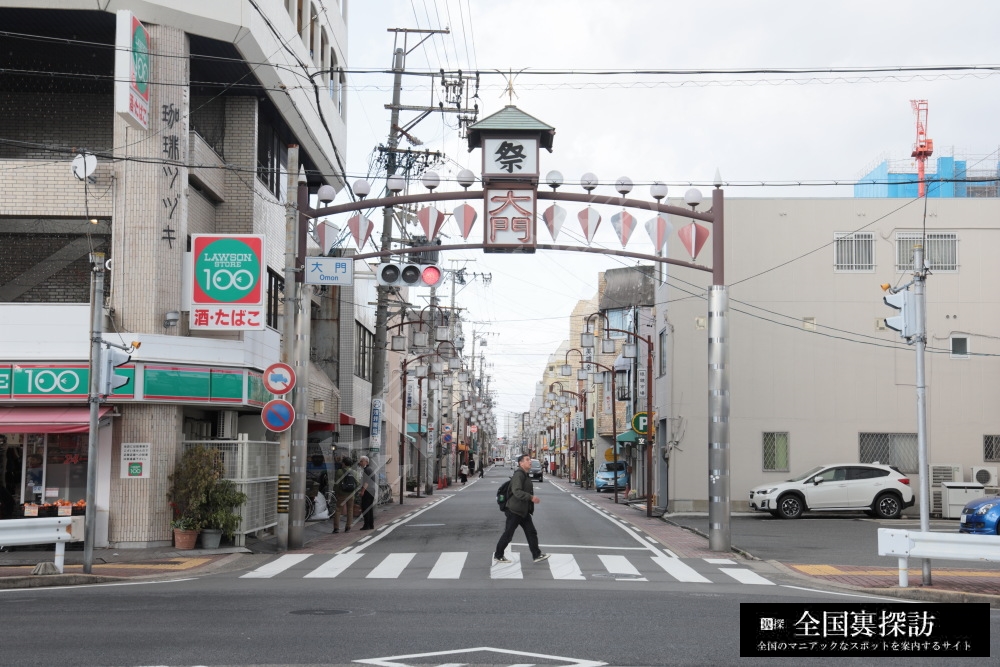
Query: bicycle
[
  {"x": 384, "y": 494},
  {"x": 310, "y": 504}
]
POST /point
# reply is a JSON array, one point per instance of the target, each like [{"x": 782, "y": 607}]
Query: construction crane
[{"x": 924, "y": 147}]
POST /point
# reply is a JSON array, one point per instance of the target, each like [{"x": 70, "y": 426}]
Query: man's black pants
[{"x": 513, "y": 521}]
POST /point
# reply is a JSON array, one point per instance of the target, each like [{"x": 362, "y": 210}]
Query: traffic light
[
  {"x": 906, "y": 322},
  {"x": 408, "y": 275},
  {"x": 112, "y": 358}
]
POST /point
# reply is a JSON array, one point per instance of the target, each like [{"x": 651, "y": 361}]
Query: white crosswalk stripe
[
  {"x": 680, "y": 570},
  {"x": 334, "y": 566},
  {"x": 275, "y": 566},
  {"x": 570, "y": 567},
  {"x": 449, "y": 565},
  {"x": 391, "y": 566}
]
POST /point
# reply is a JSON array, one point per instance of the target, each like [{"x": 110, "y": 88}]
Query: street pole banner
[{"x": 228, "y": 289}]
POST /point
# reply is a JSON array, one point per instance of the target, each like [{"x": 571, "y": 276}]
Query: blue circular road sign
[{"x": 278, "y": 415}]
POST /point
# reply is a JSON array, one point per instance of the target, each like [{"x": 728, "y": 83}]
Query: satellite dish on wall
[{"x": 84, "y": 165}]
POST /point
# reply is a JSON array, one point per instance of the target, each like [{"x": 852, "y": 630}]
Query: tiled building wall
[
  {"x": 140, "y": 514},
  {"x": 152, "y": 196}
]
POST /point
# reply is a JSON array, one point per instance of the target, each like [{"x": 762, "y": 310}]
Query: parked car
[
  {"x": 606, "y": 477},
  {"x": 536, "y": 471},
  {"x": 878, "y": 490},
  {"x": 981, "y": 516}
]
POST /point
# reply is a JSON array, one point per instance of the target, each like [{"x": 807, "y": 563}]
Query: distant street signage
[
  {"x": 375, "y": 427},
  {"x": 474, "y": 429},
  {"x": 330, "y": 271},
  {"x": 278, "y": 415},
  {"x": 279, "y": 379},
  {"x": 640, "y": 423},
  {"x": 132, "y": 70},
  {"x": 228, "y": 283},
  {"x": 136, "y": 457}
]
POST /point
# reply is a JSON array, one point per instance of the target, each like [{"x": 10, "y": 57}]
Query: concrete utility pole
[
  {"x": 919, "y": 279},
  {"x": 96, "y": 336},
  {"x": 392, "y": 166},
  {"x": 288, "y": 351}
]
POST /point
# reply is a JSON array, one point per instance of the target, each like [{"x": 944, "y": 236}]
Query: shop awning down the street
[{"x": 48, "y": 419}]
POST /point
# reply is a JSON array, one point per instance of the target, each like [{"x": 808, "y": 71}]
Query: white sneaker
[
  {"x": 502, "y": 560},
  {"x": 541, "y": 557}
]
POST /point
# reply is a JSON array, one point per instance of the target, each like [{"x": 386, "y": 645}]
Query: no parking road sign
[{"x": 278, "y": 415}]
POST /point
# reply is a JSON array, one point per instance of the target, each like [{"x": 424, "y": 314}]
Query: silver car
[{"x": 876, "y": 489}]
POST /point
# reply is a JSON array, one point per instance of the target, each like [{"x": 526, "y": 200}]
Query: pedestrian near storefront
[
  {"x": 369, "y": 487},
  {"x": 345, "y": 485},
  {"x": 463, "y": 472},
  {"x": 520, "y": 507}
]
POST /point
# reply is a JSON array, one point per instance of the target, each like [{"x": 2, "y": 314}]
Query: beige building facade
[{"x": 815, "y": 376}]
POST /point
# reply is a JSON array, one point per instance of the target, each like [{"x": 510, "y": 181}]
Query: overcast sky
[{"x": 755, "y": 128}]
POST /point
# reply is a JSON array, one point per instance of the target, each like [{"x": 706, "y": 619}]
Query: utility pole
[
  {"x": 288, "y": 350},
  {"x": 96, "y": 336},
  {"x": 392, "y": 166},
  {"x": 919, "y": 279}
]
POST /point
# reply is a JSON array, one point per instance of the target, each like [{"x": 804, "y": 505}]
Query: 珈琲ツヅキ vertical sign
[
  {"x": 227, "y": 286},
  {"x": 132, "y": 70}
]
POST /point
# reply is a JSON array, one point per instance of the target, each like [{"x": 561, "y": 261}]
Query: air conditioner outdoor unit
[
  {"x": 226, "y": 425},
  {"x": 985, "y": 475},
  {"x": 946, "y": 473}
]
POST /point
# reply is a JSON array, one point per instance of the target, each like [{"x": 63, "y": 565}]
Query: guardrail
[
  {"x": 906, "y": 544},
  {"x": 49, "y": 530}
]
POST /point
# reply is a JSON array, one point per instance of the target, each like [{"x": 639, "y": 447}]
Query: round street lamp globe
[
  {"x": 658, "y": 190},
  {"x": 430, "y": 180},
  {"x": 623, "y": 185},
  {"x": 588, "y": 181},
  {"x": 554, "y": 179}
]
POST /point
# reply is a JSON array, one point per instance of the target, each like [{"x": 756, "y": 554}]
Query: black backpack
[
  {"x": 348, "y": 483},
  {"x": 503, "y": 495}
]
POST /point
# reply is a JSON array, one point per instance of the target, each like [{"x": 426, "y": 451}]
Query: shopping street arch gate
[{"x": 511, "y": 141}]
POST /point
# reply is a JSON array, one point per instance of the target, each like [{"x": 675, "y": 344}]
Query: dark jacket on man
[{"x": 521, "y": 492}]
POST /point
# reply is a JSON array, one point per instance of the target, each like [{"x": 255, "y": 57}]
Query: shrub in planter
[
  {"x": 219, "y": 510},
  {"x": 194, "y": 476}
]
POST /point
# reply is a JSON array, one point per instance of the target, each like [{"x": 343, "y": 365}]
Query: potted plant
[
  {"x": 195, "y": 474},
  {"x": 219, "y": 515}
]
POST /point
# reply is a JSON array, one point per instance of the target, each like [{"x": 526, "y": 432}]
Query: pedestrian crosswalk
[{"x": 634, "y": 567}]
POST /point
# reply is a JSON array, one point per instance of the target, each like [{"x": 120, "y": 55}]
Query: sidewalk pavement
[{"x": 111, "y": 565}]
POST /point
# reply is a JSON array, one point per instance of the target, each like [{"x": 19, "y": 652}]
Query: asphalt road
[
  {"x": 388, "y": 606},
  {"x": 835, "y": 539}
]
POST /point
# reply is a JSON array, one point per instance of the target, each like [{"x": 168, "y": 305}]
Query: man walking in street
[
  {"x": 369, "y": 487},
  {"x": 520, "y": 507}
]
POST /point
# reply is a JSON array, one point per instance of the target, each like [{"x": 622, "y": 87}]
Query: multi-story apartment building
[{"x": 223, "y": 90}]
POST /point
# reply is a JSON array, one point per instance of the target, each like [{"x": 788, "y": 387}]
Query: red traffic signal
[{"x": 408, "y": 275}]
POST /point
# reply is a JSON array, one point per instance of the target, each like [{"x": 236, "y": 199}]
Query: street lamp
[
  {"x": 649, "y": 392},
  {"x": 614, "y": 401}
]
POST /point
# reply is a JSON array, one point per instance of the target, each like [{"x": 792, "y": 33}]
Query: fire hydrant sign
[{"x": 228, "y": 283}]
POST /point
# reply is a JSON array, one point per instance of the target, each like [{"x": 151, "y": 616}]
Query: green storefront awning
[
  {"x": 416, "y": 428},
  {"x": 411, "y": 438},
  {"x": 628, "y": 436}
]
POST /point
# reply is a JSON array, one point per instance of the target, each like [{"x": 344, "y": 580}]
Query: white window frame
[
  {"x": 936, "y": 247},
  {"x": 853, "y": 244}
]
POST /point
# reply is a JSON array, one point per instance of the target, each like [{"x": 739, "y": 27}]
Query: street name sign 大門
[{"x": 330, "y": 271}]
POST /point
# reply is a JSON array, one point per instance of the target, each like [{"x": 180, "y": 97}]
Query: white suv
[{"x": 879, "y": 490}]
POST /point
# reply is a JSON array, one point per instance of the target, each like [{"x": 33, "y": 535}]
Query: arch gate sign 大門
[{"x": 511, "y": 141}]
